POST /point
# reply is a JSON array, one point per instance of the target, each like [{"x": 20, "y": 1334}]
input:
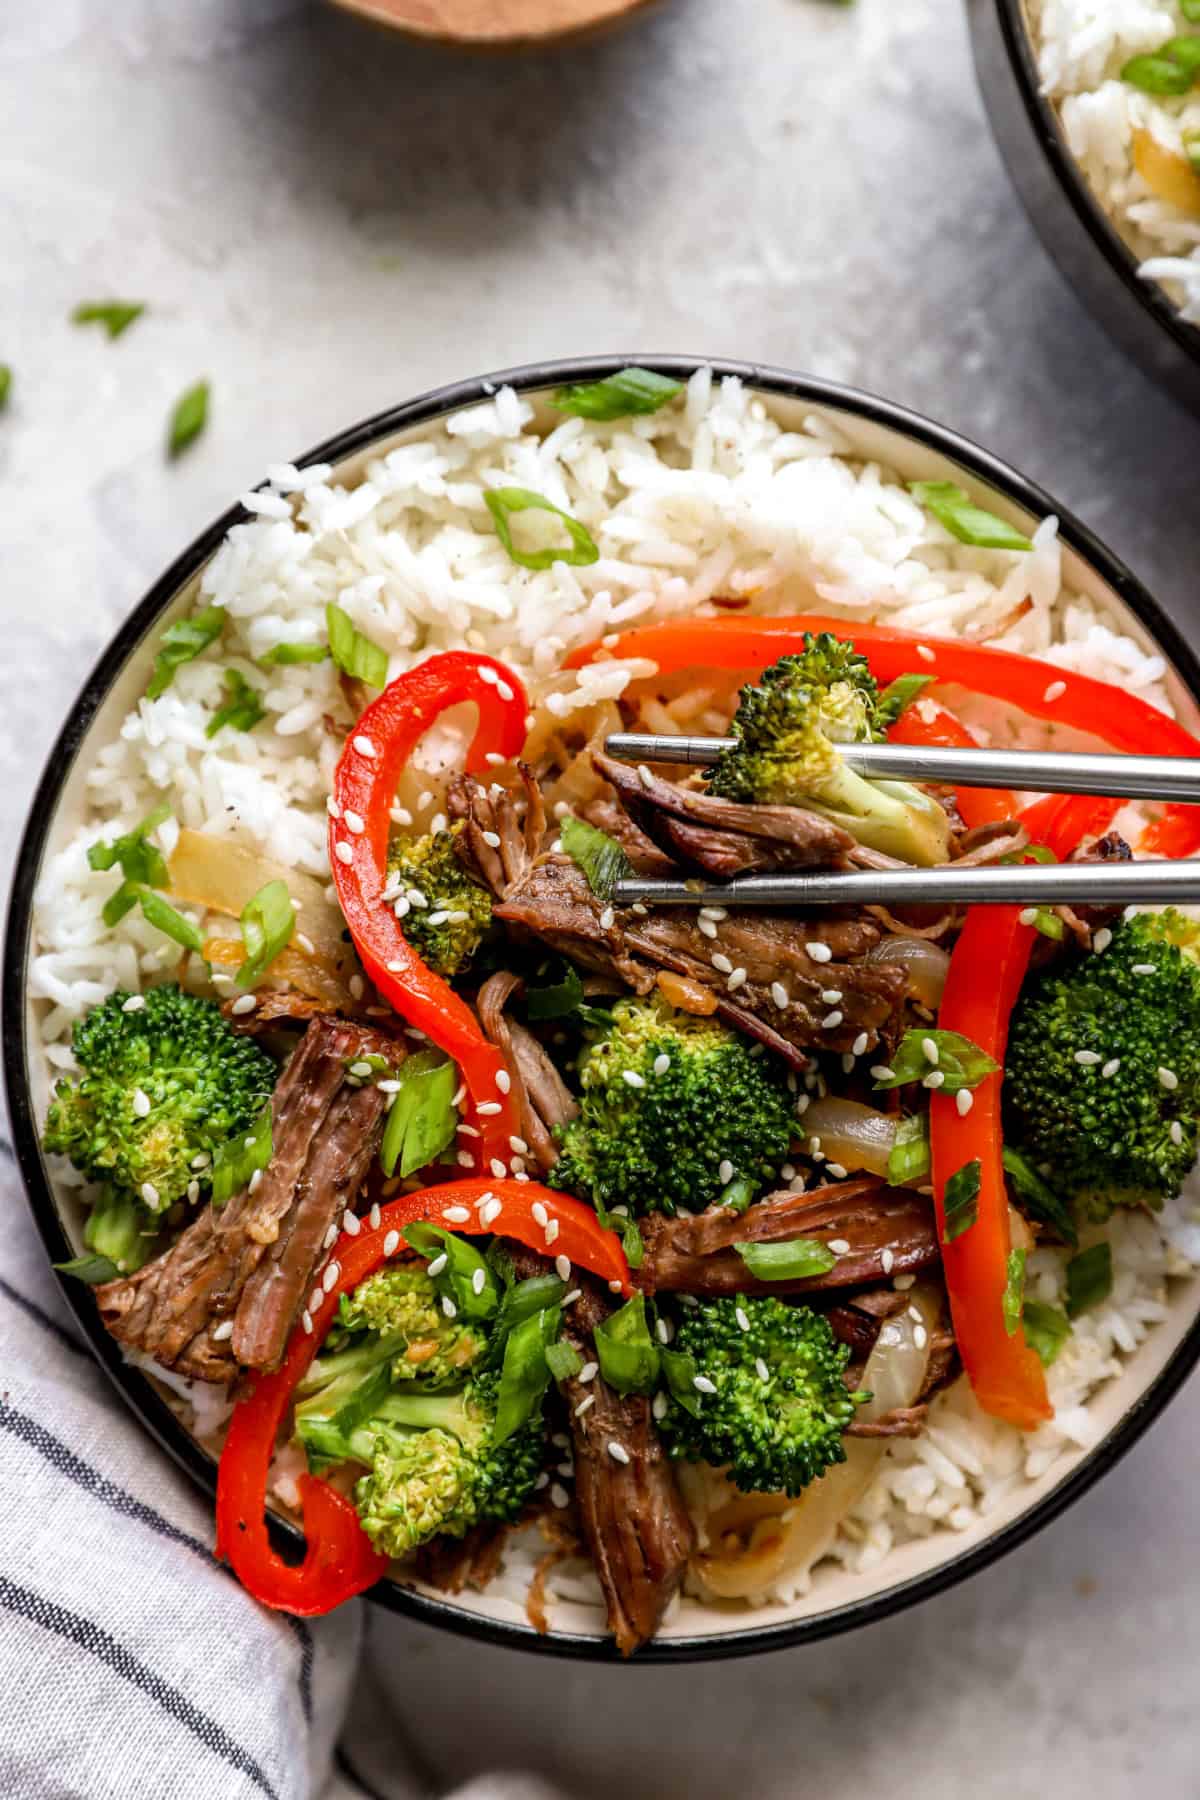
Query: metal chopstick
[
  {"x": 1013, "y": 884},
  {"x": 1043, "y": 771}
]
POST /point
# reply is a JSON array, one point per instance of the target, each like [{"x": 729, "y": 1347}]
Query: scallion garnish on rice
[
  {"x": 243, "y": 706},
  {"x": 1089, "y": 1278},
  {"x": 144, "y": 868},
  {"x": 6, "y": 377},
  {"x": 116, "y": 316},
  {"x": 352, "y": 651},
  {"x": 1171, "y": 70},
  {"x": 182, "y": 643},
  {"x": 268, "y": 921},
  {"x": 1046, "y": 1329},
  {"x": 619, "y": 396},
  {"x": 285, "y": 654},
  {"x": 953, "y": 507},
  {"x": 188, "y": 418},
  {"x": 504, "y": 503}
]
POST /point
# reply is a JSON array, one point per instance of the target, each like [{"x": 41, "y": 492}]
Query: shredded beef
[{"x": 542, "y": 1097}]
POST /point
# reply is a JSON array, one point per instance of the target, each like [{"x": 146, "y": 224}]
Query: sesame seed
[
  {"x": 255, "y": 1181},
  {"x": 497, "y": 1168},
  {"x": 459, "y": 1095},
  {"x": 193, "y": 1190},
  {"x": 570, "y": 1299},
  {"x": 658, "y": 1406},
  {"x": 361, "y": 1068},
  {"x": 552, "y": 1231},
  {"x": 1055, "y": 691},
  {"x": 1169, "y": 1078},
  {"x": 934, "y": 1079},
  {"x": 662, "y": 1331},
  {"x": 457, "y": 1215},
  {"x": 355, "y": 984},
  {"x": 503, "y": 1080},
  {"x": 1087, "y": 1058},
  {"x": 448, "y": 1307},
  {"x": 438, "y": 918},
  {"x": 491, "y": 838},
  {"x": 887, "y": 1261},
  {"x": 1111, "y": 1066},
  {"x": 920, "y": 1336},
  {"x": 588, "y": 1400},
  {"x": 136, "y": 1002},
  {"x": 860, "y": 1043},
  {"x": 721, "y": 963},
  {"x": 245, "y": 1003},
  {"x": 393, "y": 1087},
  {"x": 1176, "y": 1132},
  {"x": 518, "y": 1146},
  {"x": 883, "y": 1071},
  {"x": 540, "y": 1214},
  {"x": 141, "y": 1103},
  {"x": 832, "y": 1020},
  {"x": 149, "y": 1193},
  {"x": 837, "y": 1170},
  {"x": 562, "y": 1267},
  {"x": 559, "y": 1495},
  {"x": 607, "y": 918},
  {"x": 618, "y": 1452},
  {"x": 316, "y": 1299},
  {"x": 925, "y": 653},
  {"x": 464, "y": 1159},
  {"x": 493, "y": 758},
  {"x": 930, "y": 1050},
  {"x": 742, "y": 1318},
  {"x": 662, "y": 1063},
  {"x": 354, "y": 823},
  {"x": 1143, "y": 968},
  {"x": 490, "y": 1211},
  {"x": 787, "y": 1171},
  {"x": 330, "y": 1238},
  {"x": 707, "y": 928},
  {"x": 1027, "y": 915},
  {"x": 478, "y": 1281},
  {"x": 632, "y": 1079},
  {"x": 489, "y": 1108},
  {"x": 504, "y": 691},
  {"x": 725, "y": 1171},
  {"x": 736, "y": 980},
  {"x": 438, "y": 1264},
  {"x": 840, "y": 1246},
  {"x": 902, "y": 1283},
  {"x": 344, "y": 852},
  {"x": 364, "y": 746},
  {"x": 329, "y": 1278},
  {"x": 847, "y": 1062},
  {"x": 779, "y": 994},
  {"x": 415, "y": 897},
  {"x": 1102, "y": 939},
  {"x": 373, "y": 1217},
  {"x": 589, "y": 1371},
  {"x": 306, "y": 1321},
  {"x": 391, "y": 1243},
  {"x": 761, "y": 1369},
  {"x": 222, "y": 1331},
  {"x": 332, "y": 808},
  {"x": 820, "y": 953},
  {"x": 644, "y": 775},
  {"x": 814, "y": 1146},
  {"x": 831, "y": 996},
  {"x": 964, "y": 1100},
  {"x": 703, "y": 1385}
]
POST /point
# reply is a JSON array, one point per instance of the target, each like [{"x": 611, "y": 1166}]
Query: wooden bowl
[{"x": 494, "y": 24}]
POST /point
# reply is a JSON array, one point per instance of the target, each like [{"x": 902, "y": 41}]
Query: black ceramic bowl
[
  {"x": 1068, "y": 218},
  {"x": 839, "y": 1600}
]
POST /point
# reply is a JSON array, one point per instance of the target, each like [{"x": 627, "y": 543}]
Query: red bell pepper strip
[
  {"x": 339, "y": 1559},
  {"x": 364, "y": 787},
  {"x": 977, "y": 806},
  {"x": 1176, "y": 832},
  {"x": 987, "y": 967}
]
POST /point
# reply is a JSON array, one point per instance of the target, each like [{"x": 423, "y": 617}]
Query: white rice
[
  {"x": 712, "y": 498},
  {"x": 1082, "y": 46}
]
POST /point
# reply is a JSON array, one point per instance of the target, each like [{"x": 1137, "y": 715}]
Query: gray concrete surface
[{"x": 324, "y": 221}]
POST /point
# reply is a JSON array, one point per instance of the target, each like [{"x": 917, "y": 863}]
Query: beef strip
[
  {"x": 252, "y": 1262},
  {"x": 471, "y": 1561},
  {"x": 489, "y": 813},
  {"x": 723, "y": 837},
  {"x": 542, "y": 1097},
  {"x": 695, "y": 1255}
]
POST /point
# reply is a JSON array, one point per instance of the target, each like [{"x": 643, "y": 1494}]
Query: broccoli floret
[
  {"x": 673, "y": 1109},
  {"x": 164, "y": 1085},
  {"x": 121, "y": 1229},
  {"x": 788, "y": 730},
  {"x": 396, "y": 1317},
  {"x": 447, "y": 929},
  {"x": 1120, "y": 1127},
  {"x": 775, "y": 1401}
]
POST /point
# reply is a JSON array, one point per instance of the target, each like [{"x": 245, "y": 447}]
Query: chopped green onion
[
  {"x": 268, "y": 921},
  {"x": 795, "y": 1260},
  {"x": 737, "y": 1194},
  {"x": 1157, "y": 74},
  {"x": 422, "y": 1119},
  {"x": 92, "y": 1269},
  {"x": 952, "y": 507},
  {"x": 558, "y": 1000},
  {"x": 6, "y": 381},
  {"x": 1014, "y": 1290},
  {"x": 563, "y": 1360},
  {"x": 1191, "y": 149},
  {"x": 458, "y": 1278},
  {"x": 158, "y": 912},
  {"x": 353, "y": 652},
  {"x": 1046, "y": 1329},
  {"x": 1190, "y": 10},
  {"x": 909, "y": 1161},
  {"x": 182, "y": 643},
  {"x": 1089, "y": 1278},
  {"x": 503, "y": 503},
  {"x": 680, "y": 1371},
  {"x": 1185, "y": 51},
  {"x": 116, "y": 316},
  {"x": 627, "y": 1354},
  {"x": 898, "y": 696},
  {"x": 1037, "y": 1196},
  {"x": 961, "y": 1063},
  {"x": 137, "y": 858},
  {"x": 600, "y": 857},
  {"x": 295, "y": 653},
  {"x": 525, "y": 1374},
  {"x": 119, "y": 903},
  {"x": 524, "y": 1298},
  {"x": 188, "y": 419},
  {"x": 243, "y": 706},
  {"x": 627, "y": 1230},
  {"x": 237, "y": 1160},
  {"x": 618, "y": 396},
  {"x": 961, "y": 1202}
]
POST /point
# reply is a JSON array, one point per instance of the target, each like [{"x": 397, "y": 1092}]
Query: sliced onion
[
  {"x": 292, "y": 968},
  {"x": 852, "y": 1134},
  {"x": 755, "y": 1542},
  {"x": 210, "y": 871},
  {"x": 924, "y": 963}
]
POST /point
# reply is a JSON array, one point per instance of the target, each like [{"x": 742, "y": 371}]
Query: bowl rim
[
  {"x": 148, "y": 1406},
  {"x": 1017, "y": 38}
]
